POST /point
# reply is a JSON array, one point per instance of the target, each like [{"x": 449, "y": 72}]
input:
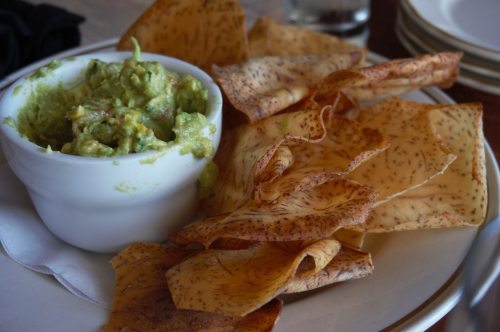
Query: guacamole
[{"x": 119, "y": 108}]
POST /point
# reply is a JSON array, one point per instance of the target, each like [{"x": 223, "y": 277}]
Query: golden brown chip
[
  {"x": 231, "y": 244},
  {"x": 279, "y": 163},
  {"x": 416, "y": 154},
  {"x": 246, "y": 151},
  {"x": 393, "y": 76},
  {"x": 305, "y": 215},
  {"x": 264, "y": 86},
  {"x": 197, "y": 31},
  {"x": 350, "y": 238},
  {"x": 346, "y": 145},
  {"x": 456, "y": 198},
  {"x": 268, "y": 37},
  {"x": 348, "y": 264},
  {"x": 389, "y": 78},
  {"x": 262, "y": 320},
  {"x": 143, "y": 302},
  {"x": 236, "y": 282}
]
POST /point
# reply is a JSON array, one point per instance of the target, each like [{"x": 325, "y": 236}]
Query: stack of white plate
[{"x": 472, "y": 27}]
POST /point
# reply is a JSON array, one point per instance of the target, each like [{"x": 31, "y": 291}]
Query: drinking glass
[{"x": 339, "y": 17}]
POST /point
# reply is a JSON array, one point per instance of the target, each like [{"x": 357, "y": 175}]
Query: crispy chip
[
  {"x": 264, "y": 86},
  {"x": 350, "y": 238},
  {"x": 197, "y": 31},
  {"x": 456, "y": 198},
  {"x": 346, "y": 145},
  {"x": 279, "y": 163},
  {"x": 388, "y": 78},
  {"x": 416, "y": 154},
  {"x": 142, "y": 300},
  {"x": 262, "y": 320},
  {"x": 231, "y": 244},
  {"x": 348, "y": 264},
  {"x": 268, "y": 37},
  {"x": 236, "y": 282},
  {"x": 305, "y": 215},
  {"x": 246, "y": 151}
]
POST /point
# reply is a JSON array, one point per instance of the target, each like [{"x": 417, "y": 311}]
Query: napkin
[
  {"x": 31, "y": 32},
  {"x": 27, "y": 241}
]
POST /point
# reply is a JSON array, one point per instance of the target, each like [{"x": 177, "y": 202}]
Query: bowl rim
[{"x": 12, "y": 135}]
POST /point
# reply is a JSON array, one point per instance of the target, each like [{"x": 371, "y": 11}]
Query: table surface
[{"x": 100, "y": 25}]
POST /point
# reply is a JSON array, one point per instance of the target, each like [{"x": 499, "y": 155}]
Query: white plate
[
  {"x": 468, "y": 25},
  {"x": 475, "y": 77},
  {"x": 415, "y": 283},
  {"x": 470, "y": 62}
]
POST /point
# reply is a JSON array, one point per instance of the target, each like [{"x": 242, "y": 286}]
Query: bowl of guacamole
[{"x": 113, "y": 147}]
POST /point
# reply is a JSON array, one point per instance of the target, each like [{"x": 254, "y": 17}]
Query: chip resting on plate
[
  {"x": 237, "y": 282},
  {"x": 348, "y": 264},
  {"x": 350, "y": 238},
  {"x": 261, "y": 87},
  {"x": 416, "y": 154},
  {"x": 456, "y": 198},
  {"x": 197, "y": 31},
  {"x": 346, "y": 146},
  {"x": 268, "y": 37},
  {"x": 311, "y": 214},
  {"x": 246, "y": 151},
  {"x": 389, "y": 78},
  {"x": 142, "y": 300}
]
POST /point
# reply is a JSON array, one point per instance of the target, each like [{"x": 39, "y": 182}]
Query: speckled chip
[
  {"x": 236, "y": 282},
  {"x": 261, "y": 87},
  {"x": 248, "y": 154},
  {"x": 142, "y": 300},
  {"x": 415, "y": 155},
  {"x": 304, "y": 215},
  {"x": 197, "y": 31},
  {"x": 268, "y": 37},
  {"x": 386, "y": 79},
  {"x": 455, "y": 198}
]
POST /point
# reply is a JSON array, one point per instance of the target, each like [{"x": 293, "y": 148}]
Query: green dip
[{"x": 119, "y": 108}]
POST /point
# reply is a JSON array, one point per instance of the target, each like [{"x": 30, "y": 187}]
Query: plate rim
[
  {"x": 434, "y": 30},
  {"x": 469, "y": 61},
  {"x": 423, "y": 316},
  {"x": 462, "y": 79}
]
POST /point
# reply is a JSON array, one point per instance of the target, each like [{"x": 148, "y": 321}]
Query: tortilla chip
[
  {"x": 245, "y": 152},
  {"x": 416, "y": 154},
  {"x": 346, "y": 145},
  {"x": 262, "y": 320},
  {"x": 264, "y": 86},
  {"x": 349, "y": 238},
  {"x": 306, "y": 215},
  {"x": 232, "y": 244},
  {"x": 268, "y": 37},
  {"x": 143, "y": 302},
  {"x": 390, "y": 78},
  {"x": 456, "y": 198},
  {"x": 348, "y": 264},
  {"x": 236, "y": 282},
  {"x": 197, "y": 31},
  {"x": 279, "y": 163}
]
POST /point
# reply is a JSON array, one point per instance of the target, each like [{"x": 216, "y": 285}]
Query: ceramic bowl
[{"x": 104, "y": 204}]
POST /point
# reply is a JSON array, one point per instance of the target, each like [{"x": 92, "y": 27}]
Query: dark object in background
[{"x": 31, "y": 32}]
